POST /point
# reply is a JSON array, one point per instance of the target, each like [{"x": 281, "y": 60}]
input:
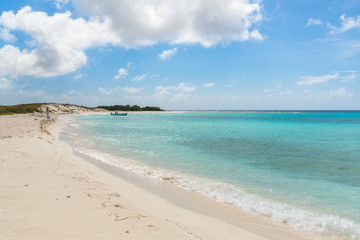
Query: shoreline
[{"x": 46, "y": 185}]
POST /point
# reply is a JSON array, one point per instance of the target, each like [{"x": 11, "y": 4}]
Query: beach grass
[
  {"x": 20, "y": 108},
  {"x": 38, "y": 108}
]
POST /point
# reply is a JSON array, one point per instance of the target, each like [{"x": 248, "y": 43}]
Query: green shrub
[
  {"x": 19, "y": 109},
  {"x": 128, "y": 108}
]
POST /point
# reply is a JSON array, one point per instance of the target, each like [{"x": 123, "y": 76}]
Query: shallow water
[{"x": 302, "y": 168}]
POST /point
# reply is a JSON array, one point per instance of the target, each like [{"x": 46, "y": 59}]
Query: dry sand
[{"x": 46, "y": 192}]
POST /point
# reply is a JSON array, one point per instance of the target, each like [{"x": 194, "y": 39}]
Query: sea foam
[{"x": 231, "y": 194}]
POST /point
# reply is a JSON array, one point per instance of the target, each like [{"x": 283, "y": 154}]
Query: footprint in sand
[{"x": 151, "y": 227}]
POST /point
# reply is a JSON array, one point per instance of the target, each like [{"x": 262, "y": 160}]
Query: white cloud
[
  {"x": 349, "y": 75},
  {"x": 74, "y": 92},
  {"x": 208, "y": 85},
  {"x": 337, "y": 93},
  {"x": 312, "y": 22},
  {"x": 182, "y": 88},
  {"x": 167, "y": 54},
  {"x": 61, "y": 42},
  {"x": 185, "y": 87},
  {"x": 78, "y": 76},
  {"x": 310, "y": 80},
  {"x": 328, "y": 95},
  {"x": 342, "y": 76},
  {"x": 5, "y": 83},
  {"x": 121, "y": 73},
  {"x": 132, "y": 90},
  {"x": 6, "y": 36},
  {"x": 154, "y": 76},
  {"x": 162, "y": 91},
  {"x": 141, "y": 23},
  {"x": 341, "y": 92},
  {"x": 105, "y": 91},
  {"x": 277, "y": 89},
  {"x": 39, "y": 94},
  {"x": 61, "y": 3},
  {"x": 346, "y": 24},
  {"x": 31, "y": 43},
  {"x": 130, "y": 65},
  {"x": 256, "y": 35},
  {"x": 129, "y": 90},
  {"x": 180, "y": 96},
  {"x": 138, "y": 78},
  {"x": 71, "y": 95}
]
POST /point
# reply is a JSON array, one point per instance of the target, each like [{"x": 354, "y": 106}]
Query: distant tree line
[{"x": 128, "y": 108}]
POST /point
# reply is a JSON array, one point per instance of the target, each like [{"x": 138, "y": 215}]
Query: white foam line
[{"x": 231, "y": 194}]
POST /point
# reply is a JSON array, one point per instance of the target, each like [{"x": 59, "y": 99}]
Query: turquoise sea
[{"x": 302, "y": 168}]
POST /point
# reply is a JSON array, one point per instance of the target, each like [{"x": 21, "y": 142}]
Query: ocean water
[{"x": 302, "y": 168}]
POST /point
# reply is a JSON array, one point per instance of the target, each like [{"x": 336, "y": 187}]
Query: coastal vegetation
[
  {"x": 128, "y": 108},
  {"x": 20, "y": 108},
  {"x": 40, "y": 108}
]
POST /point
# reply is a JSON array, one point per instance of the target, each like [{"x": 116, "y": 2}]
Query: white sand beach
[{"x": 46, "y": 192}]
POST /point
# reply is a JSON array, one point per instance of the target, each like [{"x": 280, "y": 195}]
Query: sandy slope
[{"x": 46, "y": 192}]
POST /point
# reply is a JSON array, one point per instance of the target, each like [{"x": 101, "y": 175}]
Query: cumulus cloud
[
  {"x": 31, "y": 43},
  {"x": 57, "y": 42},
  {"x": 60, "y": 3},
  {"x": 61, "y": 41},
  {"x": 105, "y": 91},
  {"x": 167, "y": 54},
  {"x": 256, "y": 35},
  {"x": 208, "y": 22},
  {"x": 208, "y": 85},
  {"x": 182, "y": 88},
  {"x": 5, "y": 83},
  {"x": 338, "y": 93},
  {"x": 312, "y": 22},
  {"x": 121, "y": 73},
  {"x": 346, "y": 24},
  {"x": 132, "y": 90},
  {"x": 71, "y": 95},
  {"x": 6, "y": 36},
  {"x": 78, "y": 76},
  {"x": 139, "y": 78}
]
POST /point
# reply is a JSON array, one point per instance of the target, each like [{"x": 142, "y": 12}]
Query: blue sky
[{"x": 182, "y": 54}]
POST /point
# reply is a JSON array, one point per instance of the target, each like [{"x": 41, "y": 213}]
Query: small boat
[{"x": 119, "y": 114}]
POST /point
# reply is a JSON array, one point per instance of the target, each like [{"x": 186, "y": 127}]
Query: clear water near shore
[{"x": 302, "y": 168}]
